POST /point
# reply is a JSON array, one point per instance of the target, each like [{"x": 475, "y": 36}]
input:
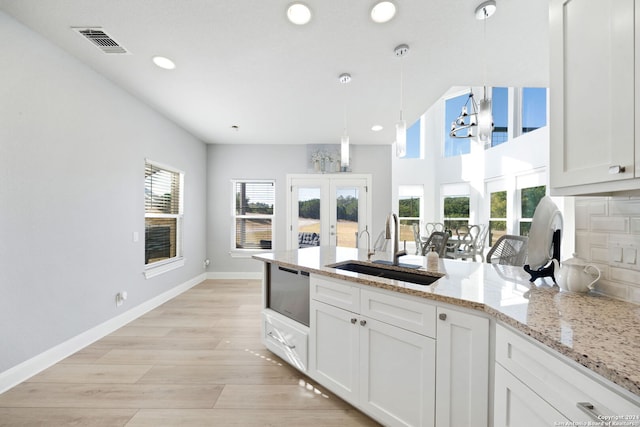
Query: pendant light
[
  {"x": 344, "y": 78},
  {"x": 401, "y": 126},
  {"x": 485, "y": 117},
  {"x": 476, "y": 119}
]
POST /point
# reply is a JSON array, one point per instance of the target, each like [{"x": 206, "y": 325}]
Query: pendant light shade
[
  {"x": 401, "y": 138},
  {"x": 344, "y": 78},
  {"x": 401, "y": 126},
  {"x": 344, "y": 152},
  {"x": 485, "y": 120}
]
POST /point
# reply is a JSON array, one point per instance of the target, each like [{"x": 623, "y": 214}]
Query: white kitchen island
[{"x": 481, "y": 346}]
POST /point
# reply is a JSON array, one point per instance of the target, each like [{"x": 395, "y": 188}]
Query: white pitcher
[{"x": 576, "y": 275}]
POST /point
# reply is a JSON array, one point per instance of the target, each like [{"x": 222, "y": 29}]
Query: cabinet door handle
[
  {"x": 363, "y": 322},
  {"x": 589, "y": 409},
  {"x": 353, "y": 320},
  {"x": 442, "y": 316},
  {"x": 615, "y": 169},
  {"x": 281, "y": 341}
]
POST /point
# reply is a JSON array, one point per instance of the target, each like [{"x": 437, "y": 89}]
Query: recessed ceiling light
[
  {"x": 383, "y": 12},
  {"x": 299, "y": 13},
  {"x": 163, "y": 62},
  {"x": 376, "y": 128}
]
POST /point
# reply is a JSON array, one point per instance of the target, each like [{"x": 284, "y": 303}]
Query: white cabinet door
[
  {"x": 462, "y": 369},
  {"x": 397, "y": 372},
  {"x": 515, "y": 405},
  {"x": 333, "y": 349},
  {"x": 592, "y": 92}
]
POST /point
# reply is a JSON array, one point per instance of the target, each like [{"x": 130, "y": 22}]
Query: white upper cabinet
[{"x": 592, "y": 97}]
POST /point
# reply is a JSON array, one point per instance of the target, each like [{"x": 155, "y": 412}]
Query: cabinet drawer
[
  {"x": 335, "y": 292},
  {"x": 563, "y": 384},
  {"x": 515, "y": 405},
  {"x": 415, "y": 316},
  {"x": 285, "y": 338}
]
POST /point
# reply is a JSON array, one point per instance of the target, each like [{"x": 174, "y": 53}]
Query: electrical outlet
[
  {"x": 629, "y": 255},
  {"x": 121, "y": 298}
]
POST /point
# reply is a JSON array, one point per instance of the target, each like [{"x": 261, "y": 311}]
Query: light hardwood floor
[{"x": 197, "y": 360}]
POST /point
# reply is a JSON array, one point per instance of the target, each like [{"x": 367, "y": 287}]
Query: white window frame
[
  {"x": 246, "y": 253},
  {"x": 159, "y": 267}
]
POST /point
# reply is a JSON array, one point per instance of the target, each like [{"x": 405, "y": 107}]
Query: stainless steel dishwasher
[{"x": 288, "y": 292}]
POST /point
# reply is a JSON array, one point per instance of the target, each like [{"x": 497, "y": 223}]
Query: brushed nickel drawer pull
[
  {"x": 363, "y": 322},
  {"x": 615, "y": 169},
  {"x": 589, "y": 409},
  {"x": 281, "y": 341},
  {"x": 353, "y": 320},
  {"x": 442, "y": 316}
]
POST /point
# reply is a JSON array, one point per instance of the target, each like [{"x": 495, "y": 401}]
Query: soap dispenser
[{"x": 432, "y": 259}]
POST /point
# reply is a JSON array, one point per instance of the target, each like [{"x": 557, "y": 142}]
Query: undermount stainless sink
[{"x": 401, "y": 273}]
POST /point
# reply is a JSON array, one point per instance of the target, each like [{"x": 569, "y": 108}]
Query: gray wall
[
  {"x": 227, "y": 162},
  {"x": 72, "y": 152}
]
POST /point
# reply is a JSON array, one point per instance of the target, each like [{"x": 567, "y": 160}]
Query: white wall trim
[
  {"x": 244, "y": 275},
  {"x": 25, "y": 370}
]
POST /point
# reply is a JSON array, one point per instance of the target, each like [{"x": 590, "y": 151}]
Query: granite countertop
[{"x": 598, "y": 332}]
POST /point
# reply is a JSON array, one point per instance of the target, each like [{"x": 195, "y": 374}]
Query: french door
[{"x": 327, "y": 210}]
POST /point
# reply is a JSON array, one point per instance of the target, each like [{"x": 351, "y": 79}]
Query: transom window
[
  {"x": 455, "y": 146},
  {"x": 534, "y": 108},
  {"x": 500, "y": 112}
]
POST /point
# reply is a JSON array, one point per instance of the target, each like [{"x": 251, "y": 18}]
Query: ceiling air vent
[{"x": 100, "y": 39}]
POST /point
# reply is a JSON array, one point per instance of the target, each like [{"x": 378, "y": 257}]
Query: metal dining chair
[
  {"x": 438, "y": 239},
  {"x": 418, "y": 238},
  {"x": 509, "y": 250},
  {"x": 467, "y": 236}
]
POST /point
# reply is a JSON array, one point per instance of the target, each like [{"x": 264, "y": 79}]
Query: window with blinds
[
  {"x": 163, "y": 213},
  {"x": 253, "y": 211}
]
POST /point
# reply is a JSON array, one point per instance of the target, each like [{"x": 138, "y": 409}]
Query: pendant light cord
[{"x": 401, "y": 85}]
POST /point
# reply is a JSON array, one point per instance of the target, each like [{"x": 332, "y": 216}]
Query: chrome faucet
[
  {"x": 397, "y": 253},
  {"x": 366, "y": 230}
]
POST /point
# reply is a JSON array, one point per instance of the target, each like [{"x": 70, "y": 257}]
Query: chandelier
[{"x": 475, "y": 120}]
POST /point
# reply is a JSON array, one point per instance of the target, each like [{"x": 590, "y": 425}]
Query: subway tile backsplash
[{"x": 608, "y": 235}]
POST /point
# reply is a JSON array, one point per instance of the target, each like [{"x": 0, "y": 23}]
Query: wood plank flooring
[{"x": 197, "y": 360}]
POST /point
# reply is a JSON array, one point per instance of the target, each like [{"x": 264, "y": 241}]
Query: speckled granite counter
[{"x": 598, "y": 332}]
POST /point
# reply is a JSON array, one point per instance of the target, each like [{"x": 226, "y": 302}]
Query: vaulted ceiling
[{"x": 242, "y": 63}]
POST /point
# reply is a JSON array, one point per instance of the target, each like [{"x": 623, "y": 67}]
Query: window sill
[
  {"x": 248, "y": 253},
  {"x": 154, "y": 270}
]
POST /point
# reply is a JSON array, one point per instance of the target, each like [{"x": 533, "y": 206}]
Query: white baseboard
[
  {"x": 25, "y": 370},
  {"x": 254, "y": 275}
]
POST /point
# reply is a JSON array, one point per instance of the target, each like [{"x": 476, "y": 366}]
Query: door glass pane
[
  {"x": 347, "y": 216},
  {"x": 308, "y": 217}
]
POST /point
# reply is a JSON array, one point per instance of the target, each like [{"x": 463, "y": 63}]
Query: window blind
[{"x": 162, "y": 190}]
